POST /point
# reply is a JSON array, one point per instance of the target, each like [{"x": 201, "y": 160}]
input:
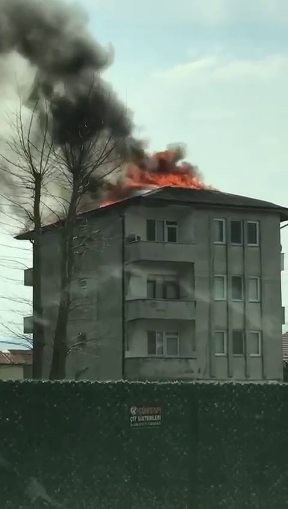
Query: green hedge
[{"x": 218, "y": 446}]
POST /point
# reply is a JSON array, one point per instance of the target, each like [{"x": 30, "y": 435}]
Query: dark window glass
[
  {"x": 150, "y": 229},
  {"x": 237, "y": 287},
  {"x": 151, "y": 342},
  {"x": 155, "y": 343},
  {"x": 237, "y": 342},
  {"x": 252, "y": 233},
  {"x": 219, "y": 230},
  {"x": 236, "y": 232},
  {"x": 172, "y": 344},
  {"x": 151, "y": 289},
  {"x": 171, "y": 231}
]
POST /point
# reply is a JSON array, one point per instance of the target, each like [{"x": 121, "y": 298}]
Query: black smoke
[{"x": 53, "y": 36}]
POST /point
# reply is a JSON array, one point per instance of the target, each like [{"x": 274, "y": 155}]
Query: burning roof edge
[{"x": 210, "y": 198}]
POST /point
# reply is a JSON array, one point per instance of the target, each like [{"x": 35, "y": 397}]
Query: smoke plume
[
  {"x": 67, "y": 63},
  {"x": 53, "y": 37}
]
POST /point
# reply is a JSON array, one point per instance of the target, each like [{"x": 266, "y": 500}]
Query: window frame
[
  {"x": 173, "y": 225},
  {"x": 233, "y": 243},
  {"x": 258, "y": 289},
  {"x": 242, "y": 287},
  {"x": 160, "y": 286},
  {"x": 222, "y": 299},
  {"x": 259, "y": 343},
  {"x": 151, "y": 280},
  {"x": 257, "y": 233},
  {"x": 165, "y": 334},
  {"x": 243, "y": 343},
  {"x": 224, "y": 353},
  {"x": 166, "y": 225},
  {"x": 223, "y": 221},
  {"x": 171, "y": 335}
]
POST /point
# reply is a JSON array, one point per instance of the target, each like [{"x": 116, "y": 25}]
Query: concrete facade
[{"x": 123, "y": 306}]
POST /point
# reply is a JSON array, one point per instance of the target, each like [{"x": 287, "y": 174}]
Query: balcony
[
  {"x": 160, "y": 251},
  {"x": 28, "y": 325},
  {"x": 28, "y": 277},
  {"x": 160, "y": 309},
  {"x": 147, "y": 368}
]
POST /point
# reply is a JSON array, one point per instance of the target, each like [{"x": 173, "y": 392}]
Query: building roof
[
  {"x": 199, "y": 198},
  {"x": 16, "y": 357},
  {"x": 212, "y": 197}
]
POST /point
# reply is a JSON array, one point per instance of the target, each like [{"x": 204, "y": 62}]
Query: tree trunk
[
  {"x": 60, "y": 347},
  {"x": 38, "y": 327}
]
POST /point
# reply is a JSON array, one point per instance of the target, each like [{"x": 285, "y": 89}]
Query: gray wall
[
  {"x": 209, "y": 259},
  {"x": 96, "y": 311}
]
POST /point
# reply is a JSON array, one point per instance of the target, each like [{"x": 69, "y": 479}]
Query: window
[
  {"x": 163, "y": 343},
  {"x": 170, "y": 289},
  {"x": 162, "y": 287},
  {"x": 237, "y": 288},
  {"x": 151, "y": 288},
  {"x": 253, "y": 233},
  {"x": 171, "y": 231},
  {"x": 236, "y": 232},
  {"x": 161, "y": 231},
  {"x": 237, "y": 342},
  {"x": 219, "y": 233},
  {"x": 155, "y": 343},
  {"x": 150, "y": 229},
  {"x": 172, "y": 347},
  {"x": 254, "y": 343},
  {"x": 220, "y": 342},
  {"x": 219, "y": 287},
  {"x": 254, "y": 289}
]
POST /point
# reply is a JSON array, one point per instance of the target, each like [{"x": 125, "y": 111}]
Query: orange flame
[{"x": 159, "y": 170}]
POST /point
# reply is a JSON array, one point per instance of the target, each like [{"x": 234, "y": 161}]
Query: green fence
[{"x": 143, "y": 446}]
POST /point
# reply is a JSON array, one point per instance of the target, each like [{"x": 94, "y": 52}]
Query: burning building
[
  {"x": 170, "y": 283},
  {"x": 171, "y": 279}
]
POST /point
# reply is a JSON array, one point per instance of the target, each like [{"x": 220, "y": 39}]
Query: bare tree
[
  {"x": 87, "y": 159},
  {"x": 27, "y": 167}
]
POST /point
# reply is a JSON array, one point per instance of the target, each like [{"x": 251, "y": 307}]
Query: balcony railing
[
  {"x": 147, "y": 368},
  {"x": 160, "y": 251},
  {"x": 163, "y": 309}
]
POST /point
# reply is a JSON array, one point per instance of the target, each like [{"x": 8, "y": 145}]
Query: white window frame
[
  {"x": 223, "y": 354},
  {"x": 257, "y": 230},
  {"x": 223, "y": 221},
  {"x": 243, "y": 342},
  {"x": 242, "y": 279},
  {"x": 259, "y": 342},
  {"x": 174, "y": 226},
  {"x": 242, "y": 233},
  {"x": 165, "y": 334},
  {"x": 225, "y": 287},
  {"x": 258, "y": 288},
  {"x": 166, "y": 226}
]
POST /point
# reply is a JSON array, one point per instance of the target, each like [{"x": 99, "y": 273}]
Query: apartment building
[{"x": 173, "y": 283}]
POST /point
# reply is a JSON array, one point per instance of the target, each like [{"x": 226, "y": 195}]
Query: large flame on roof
[{"x": 161, "y": 169}]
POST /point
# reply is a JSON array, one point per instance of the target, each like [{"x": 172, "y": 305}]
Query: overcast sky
[{"x": 212, "y": 74}]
